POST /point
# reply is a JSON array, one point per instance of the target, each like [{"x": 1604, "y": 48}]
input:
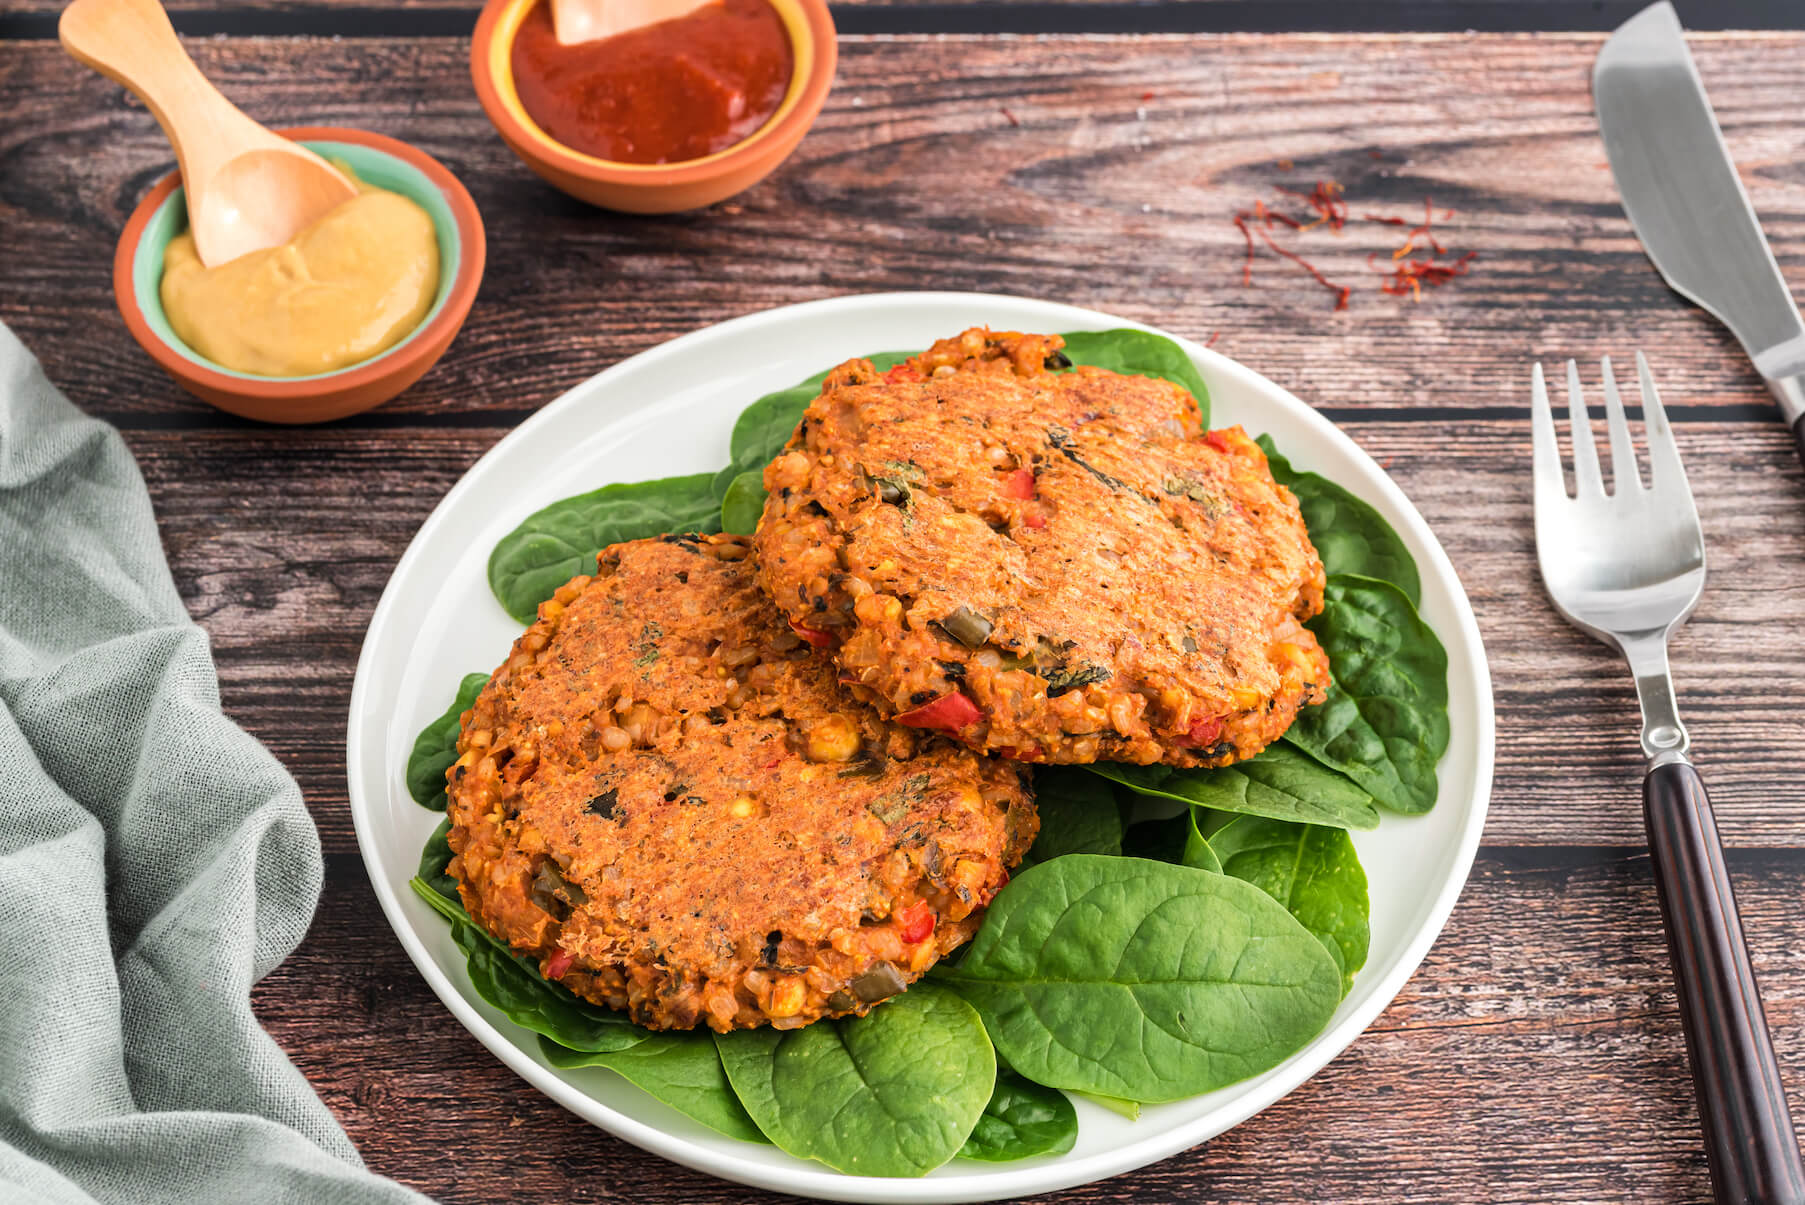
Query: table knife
[{"x": 1685, "y": 200}]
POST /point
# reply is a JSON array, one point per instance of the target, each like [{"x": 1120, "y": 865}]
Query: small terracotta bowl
[
  {"x": 384, "y": 162},
  {"x": 655, "y": 187}
]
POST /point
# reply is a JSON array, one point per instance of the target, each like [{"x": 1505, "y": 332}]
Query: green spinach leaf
[
  {"x": 515, "y": 986},
  {"x": 1131, "y": 1109},
  {"x": 433, "y": 862},
  {"x": 1139, "y": 353},
  {"x": 1349, "y": 534},
  {"x": 764, "y": 427},
  {"x": 682, "y": 1069},
  {"x": 1385, "y": 724},
  {"x": 437, "y": 747},
  {"x": 1312, "y": 870},
  {"x": 1022, "y": 1120},
  {"x": 893, "y": 1093},
  {"x": 1143, "y": 981},
  {"x": 1078, "y": 815},
  {"x": 744, "y": 503},
  {"x": 1280, "y": 783},
  {"x": 1199, "y": 853},
  {"x": 553, "y": 545},
  {"x": 759, "y": 434}
]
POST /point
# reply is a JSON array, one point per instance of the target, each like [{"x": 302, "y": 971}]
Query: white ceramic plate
[{"x": 669, "y": 410}]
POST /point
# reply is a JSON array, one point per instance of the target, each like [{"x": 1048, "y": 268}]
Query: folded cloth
[{"x": 155, "y": 861}]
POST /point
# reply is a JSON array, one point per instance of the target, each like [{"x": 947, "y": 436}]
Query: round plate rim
[{"x": 809, "y": 1179}]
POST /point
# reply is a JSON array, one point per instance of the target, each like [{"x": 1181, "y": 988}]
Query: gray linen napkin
[{"x": 155, "y": 861}]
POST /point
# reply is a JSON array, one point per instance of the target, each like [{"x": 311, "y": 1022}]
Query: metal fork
[{"x": 1628, "y": 567}]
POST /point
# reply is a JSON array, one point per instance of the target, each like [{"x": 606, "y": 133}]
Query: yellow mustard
[{"x": 354, "y": 283}]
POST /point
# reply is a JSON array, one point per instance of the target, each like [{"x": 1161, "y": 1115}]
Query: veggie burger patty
[
  {"x": 1054, "y": 566},
  {"x": 665, "y": 799}
]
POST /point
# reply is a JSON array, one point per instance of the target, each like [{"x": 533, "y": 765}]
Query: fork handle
[
  {"x": 1742, "y": 1104},
  {"x": 1798, "y": 433}
]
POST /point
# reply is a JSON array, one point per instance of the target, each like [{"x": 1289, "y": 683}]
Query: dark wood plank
[
  {"x": 1536, "y": 1057},
  {"x": 282, "y": 541},
  {"x": 916, "y": 178}
]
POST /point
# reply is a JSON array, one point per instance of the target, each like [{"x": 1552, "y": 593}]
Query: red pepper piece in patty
[
  {"x": 558, "y": 963},
  {"x": 917, "y": 923},
  {"x": 1019, "y": 485},
  {"x": 1203, "y": 733},
  {"x": 816, "y": 637},
  {"x": 1216, "y": 440},
  {"x": 951, "y": 712},
  {"x": 903, "y": 372}
]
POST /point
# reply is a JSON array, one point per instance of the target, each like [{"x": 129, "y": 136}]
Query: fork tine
[
  {"x": 1625, "y": 475},
  {"x": 1664, "y": 469},
  {"x": 1549, "y": 481},
  {"x": 1586, "y": 477}
]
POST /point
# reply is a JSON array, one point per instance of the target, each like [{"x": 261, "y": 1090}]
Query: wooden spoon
[
  {"x": 247, "y": 187},
  {"x": 576, "y": 21}
]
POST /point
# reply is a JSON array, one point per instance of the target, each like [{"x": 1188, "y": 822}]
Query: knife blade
[{"x": 1686, "y": 202}]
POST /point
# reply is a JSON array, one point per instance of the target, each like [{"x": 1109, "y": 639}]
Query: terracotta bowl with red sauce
[{"x": 632, "y": 123}]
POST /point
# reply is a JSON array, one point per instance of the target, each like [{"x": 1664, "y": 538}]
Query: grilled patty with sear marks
[
  {"x": 664, "y": 797},
  {"x": 1054, "y": 566}
]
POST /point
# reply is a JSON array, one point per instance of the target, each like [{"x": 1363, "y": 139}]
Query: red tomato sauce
[{"x": 664, "y": 93}]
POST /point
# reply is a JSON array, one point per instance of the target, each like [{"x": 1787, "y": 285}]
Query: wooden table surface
[{"x": 1537, "y": 1054}]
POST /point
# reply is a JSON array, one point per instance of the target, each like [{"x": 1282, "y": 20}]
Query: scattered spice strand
[
  {"x": 1412, "y": 270},
  {"x": 1326, "y": 200},
  {"x": 1010, "y": 116},
  {"x": 1247, "y": 264},
  {"x": 1269, "y": 216},
  {"x": 1211, "y": 341},
  {"x": 1410, "y": 276},
  {"x": 1341, "y": 291},
  {"x": 1424, "y": 228}
]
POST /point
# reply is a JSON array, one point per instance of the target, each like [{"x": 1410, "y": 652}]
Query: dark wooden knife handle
[
  {"x": 1741, "y": 1102},
  {"x": 1798, "y": 433}
]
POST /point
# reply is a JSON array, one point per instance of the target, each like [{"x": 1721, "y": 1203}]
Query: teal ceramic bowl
[{"x": 378, "y": 160}]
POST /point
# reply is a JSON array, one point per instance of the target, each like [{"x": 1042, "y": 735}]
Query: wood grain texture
[
  {"x": 1537, "y": 1056},
  {"x": 915, "y": 178}
]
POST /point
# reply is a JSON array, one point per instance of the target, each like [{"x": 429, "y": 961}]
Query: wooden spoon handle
[
  {"x": 1741, "y": 1102},
  {"x": 133, "y": 43}
]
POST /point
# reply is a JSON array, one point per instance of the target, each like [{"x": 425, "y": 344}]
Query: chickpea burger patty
[
  {"x": 1053, "y": 566},
  {"x": 665, "y": 798}
]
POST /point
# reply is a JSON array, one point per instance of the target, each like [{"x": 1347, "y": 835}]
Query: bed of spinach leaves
[
  {"x": 1143, "y": 980},
  {"x": 896, "y": 1092},
  {"x": 436, "y": 747},
  {"x": 1170, "y": 932}
]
